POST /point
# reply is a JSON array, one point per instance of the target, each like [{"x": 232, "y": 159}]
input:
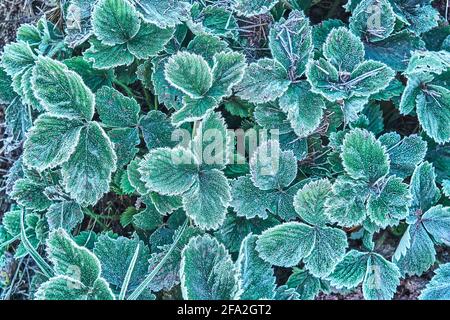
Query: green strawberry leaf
[
  {"x": 115, "y": 21},
  {"x": 264, "y": 81},
  {"x": 87, "y": 173},
  {"x": 211, "y": 278},
  {"x": 256, "y": 279},
  {"x": 439, "y": 286},
  {"x": 51, "y": 141}
]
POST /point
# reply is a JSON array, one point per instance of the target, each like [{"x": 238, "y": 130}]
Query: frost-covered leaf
[
  {"x": 290, "y": 141},
  {"x": 134, "y": 176},
  {"x": 423, "y": 62},
  {"x": 163, "y": 13},
  {"x": 381, "y": 279},
  {"x": 415, "y": 253},
  {"x": 433, "y": 111},
  {"x": 51, "y": 141},
  {"x": 30, "y": 194},
  {"x": 149, "y": 218},
  {"x": 446, "y": 187},
  {"x": 71, "y": 260},
  {"x": 324, "y": 79},
  {"x": 437, "y": 223},
  {"x": 370, "y": 77},
  {"x": 168, "y": 95},
  {"x": 115, "y": 21},
  {"x": 373, "y": 20},
  {"x": 78, "y": 22},
  {"x": 93, "y": 78},
  {"x": 439, "y": 156},
  {"x": 169, "y": 275},
  {"x": 87, "y": 173},
  {"x": 125, "y": 142},
  {"x": 62, "y": 92},
  {"x": 27, "y": 93},
  {"x": 439, "y": 286},
  {"x": 285, "y": 293},
  {"x": 248, "y": 200},
  {"x": 286, "y": 244},
  {"x": 404, "y": 154},
  {"x": 156, "y": 130},
  {"x": 11, "y": 222},
  {"x": 328, "y": 250},
  {"x": 115, "y": 109},
  {"x": 228, "y": 70},
  {"x": 207, "y": 200},
  {"x": 211, "y": 142},
  {"x": 17, "y": 57},
  {"x": 207, "y": 46},
  {"x": 270, "y": 116},
  {"x": 211, "y": 278},
  {"x": 256, "y": 279},
  {"x": 419, "y": 16},
  {"x": 6, "y": 94},
  {"x": 390, "y": 203},
  {"x": 149, "y": 41},
  {"x": 67, "y": 288},
  {"x": 215, "y": 20},
  {"x": 305, "y": 284},
  {"x": 272, "y": 168},
  {"x": 320, "y": 247},
  {"x": 166, "y": 204},
  {"x": 321, "y": 31},
  {"x": 395, "y": 50},
  {"x": 304, "y": 108},
  {"x": 344, "y": 73},
  {"x": 235, "y": 229},
  {"x": 343, "y": 49},
  {"x": 309, "y": 202},
  {"x": 29, "y": 33},
  {"x": 424, "y": 191},
  {"x": 17, "y": 119},
  {"x": 363, "y": 157},
  {"x": 346, "y": 204},
  {"x": 264, "y": 81},
  {"x": 169, "y": 171},
  {"x": 105, "y": 57},
  {"x": 350, "y": 271},
  {"x": 352, "y": 107},
  {"x": 194, "y": 109},
  {"x": 189, "y": 73},
  {"x": 290, "y": 42},
  {"x": 284, "y": 201},
  {"x": 249, "y": 8},
  {"x": 64, "y": 214},
  {"x": 115, "y": 255},
  {"x": 77, "y": 272}
]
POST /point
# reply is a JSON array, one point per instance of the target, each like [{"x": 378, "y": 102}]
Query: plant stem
[{"x": 124, "y": 87}]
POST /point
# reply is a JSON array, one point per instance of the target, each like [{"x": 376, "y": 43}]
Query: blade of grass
[
  {"x": 41, "y": 263},
  {"x": 144, "y": 284},
  {"x": 130, "y": 270}
]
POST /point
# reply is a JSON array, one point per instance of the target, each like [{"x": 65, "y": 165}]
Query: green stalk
[{"x": 124, "y": 87}]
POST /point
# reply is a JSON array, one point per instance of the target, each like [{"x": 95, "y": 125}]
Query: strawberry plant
[{"x": 225, "y": 150}]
